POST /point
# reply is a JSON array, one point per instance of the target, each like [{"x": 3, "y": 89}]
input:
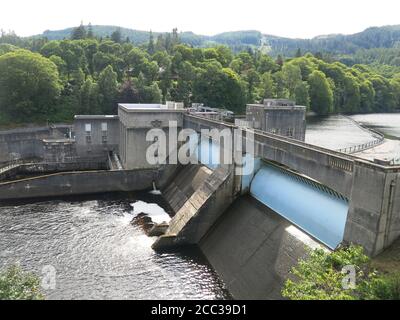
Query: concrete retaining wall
[
  {"x": 24, "y": 143},
  {"x": 393, "y": 225},
  {"x": 73, "y": 183},
  {"x": 40, "y": 168}
]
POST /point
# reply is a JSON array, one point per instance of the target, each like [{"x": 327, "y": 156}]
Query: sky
[{"x": 289, "y": 18}]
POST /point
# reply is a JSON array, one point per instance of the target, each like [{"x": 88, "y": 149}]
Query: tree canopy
[
  {"x": 29, "y": 86},
  {"x": 84, "y": 74}
]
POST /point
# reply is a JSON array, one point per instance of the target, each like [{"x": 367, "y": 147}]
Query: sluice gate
[{"x": 318, "y": 210}]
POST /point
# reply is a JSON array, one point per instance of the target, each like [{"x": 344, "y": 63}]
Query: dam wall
[
  {"x": 374, "y": 213},
  {"x": 372, "y": 189},
  {"x": 393, "y": 221},
  {"x": 253, "y": 249},
  {"x": 41, "y": 168},
  {"x": 79, "y": 182},
  {"x": 25, "y": 143}
]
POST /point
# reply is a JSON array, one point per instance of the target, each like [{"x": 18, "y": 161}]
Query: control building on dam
[{"x": 252, "y": 220}]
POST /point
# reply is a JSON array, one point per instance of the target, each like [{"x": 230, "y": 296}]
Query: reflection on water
[
  {"x": 335, "y": 132},
  {"x": 97, "y": 254}
]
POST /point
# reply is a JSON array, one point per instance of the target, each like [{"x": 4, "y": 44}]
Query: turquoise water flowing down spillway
[{"x": 314, "y": 208}]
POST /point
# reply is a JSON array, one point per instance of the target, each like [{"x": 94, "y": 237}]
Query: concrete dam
[{"x": 252, "y": 228}]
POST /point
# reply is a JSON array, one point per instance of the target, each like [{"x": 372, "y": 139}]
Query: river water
[{"x": 97, "y": 254}]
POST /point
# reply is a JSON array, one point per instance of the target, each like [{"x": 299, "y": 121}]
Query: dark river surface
[{"x": 97, "y": 254}]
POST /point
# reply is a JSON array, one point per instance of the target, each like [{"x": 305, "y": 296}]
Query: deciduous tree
[{"x": 29, "y": 86}]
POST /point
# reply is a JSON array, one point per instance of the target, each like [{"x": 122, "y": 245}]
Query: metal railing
[
  {"x": 16, "y": 163},
  {"x": 10, "y": 165},
  {"x": 361, "y": 147}
]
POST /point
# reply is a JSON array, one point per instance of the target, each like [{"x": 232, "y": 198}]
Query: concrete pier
[{"x": 198, "y": 210}]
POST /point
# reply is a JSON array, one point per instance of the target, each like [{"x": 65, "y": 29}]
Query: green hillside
[
  {"x": 375, "y": 37},
  {"x": 136, "y": 36}
]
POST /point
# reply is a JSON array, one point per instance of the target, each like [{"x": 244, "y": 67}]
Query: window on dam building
[
  {"x": 89, "y": 139},
  {"x": 104, "y": 133},
  {"x": 88, "y": 130}
]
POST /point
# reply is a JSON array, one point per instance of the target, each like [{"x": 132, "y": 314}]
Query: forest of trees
[
  {"x": 43, "y": 80},
  {"x": 335, "y": 44}
]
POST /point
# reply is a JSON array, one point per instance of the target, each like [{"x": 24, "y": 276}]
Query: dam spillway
[{"x": 316, "y": 209}]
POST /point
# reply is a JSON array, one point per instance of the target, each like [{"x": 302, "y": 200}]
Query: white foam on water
[{"x": 154, "y": 211}]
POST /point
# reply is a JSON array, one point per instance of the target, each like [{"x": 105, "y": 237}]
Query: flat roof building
[
  {"x": 96, "y": 135},
  {"x": 135, "y": 121},
  {"x": 170, "y": 105},
  {"x": 277, "y": 116}
]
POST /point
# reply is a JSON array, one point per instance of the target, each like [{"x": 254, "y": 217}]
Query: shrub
[
  {"x": 320, "y": 276},
  {"x": 16, "y": 284},
  {"x": 387, "y": 287}
]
